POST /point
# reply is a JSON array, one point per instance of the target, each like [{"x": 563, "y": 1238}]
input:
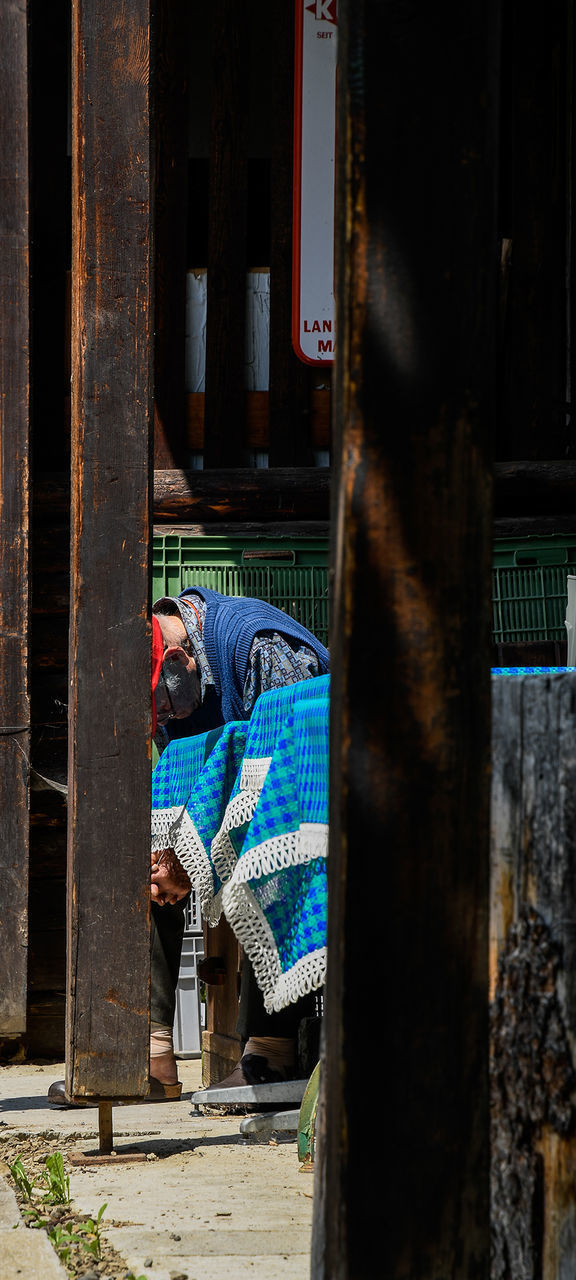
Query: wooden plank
[
  {"x": 220, "y": 1044},
  {"x": 172, "y": 44},
  {"x": 109, "y": 726},
  {"x": 14, "y": 510},
  {"x": 296, "y": 529},
  {"x": 49, "y": 44},
  {"x": 290, "y": 442},
  {"x": 533, "y": 1042},
  {"x": 526, "y": 488},
  {"x": 226, "y": 285},
  {"x": 288, "y": 493},
  {"x": 410, "y": 697},
  {"x": 257, "y": 419},
  {"x": 535, "y": 164}
]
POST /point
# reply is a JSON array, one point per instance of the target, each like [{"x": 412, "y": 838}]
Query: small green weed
[
  {"x": 62, "y": 1239},
  {"x": 57, "y": 1181},
  {"x": 91, "y": 1227},
  {"x": 21, "y": 1179}
]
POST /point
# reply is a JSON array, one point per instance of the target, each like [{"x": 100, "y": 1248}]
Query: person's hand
[{"x": 169, "y": 881}]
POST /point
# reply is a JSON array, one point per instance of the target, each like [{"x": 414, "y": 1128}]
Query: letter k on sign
[{"x": 324, "y": 10}]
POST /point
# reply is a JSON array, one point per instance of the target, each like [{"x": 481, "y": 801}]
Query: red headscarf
[{"x": 157, "y": 652}]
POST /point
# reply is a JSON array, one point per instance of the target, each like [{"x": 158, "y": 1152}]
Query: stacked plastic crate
[{"x": 189, "y": 1020}]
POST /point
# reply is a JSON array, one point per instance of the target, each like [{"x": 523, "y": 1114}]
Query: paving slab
[
  {"x": 208, "y": 1201},
  {"x": 28, "y": 1255}
]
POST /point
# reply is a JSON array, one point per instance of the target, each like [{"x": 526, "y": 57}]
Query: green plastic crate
[
  {"x": 530, "y": 588},
  {"x": 291, "y": 573}
]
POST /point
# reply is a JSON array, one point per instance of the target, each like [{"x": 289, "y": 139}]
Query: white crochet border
[
  {"x": 255, "y": 936},
  {"x": 240, "y": 809},
  {"x": 292, "y": 849},
  {"x": 173, "y": 829},
  {"x": 253, "y": 773}
]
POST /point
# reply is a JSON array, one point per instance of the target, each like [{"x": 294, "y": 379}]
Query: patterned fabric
[
  {"x": 273, "y": 663},
  {"x": 528, "y": 671},
  {"x": 257, "y": 851},
  {"x": 276, "y": 898},
  {"x": 191, "y": 785}
]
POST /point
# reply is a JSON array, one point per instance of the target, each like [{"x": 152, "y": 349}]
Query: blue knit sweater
[{"x": 231, "y": 624}]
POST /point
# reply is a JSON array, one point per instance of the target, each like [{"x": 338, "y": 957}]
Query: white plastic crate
[
  {"x": 188, "y": 1020},
  {"x": 193, "y": 915}
]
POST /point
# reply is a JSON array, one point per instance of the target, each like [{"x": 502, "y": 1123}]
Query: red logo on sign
[{"x": 323, "y": 10}]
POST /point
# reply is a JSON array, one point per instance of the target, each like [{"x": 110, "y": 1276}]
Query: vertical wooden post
[
  {"x": 172, "y": 45},
  {"x": 403, "y": 1166},
  {"x": 290, "y": 443},
  {"x": 110, "y": 650},
  {"x": 226, "y": 302},
  {"x": 533, "y": 1060},
  {"x": 14, "y": 511}
]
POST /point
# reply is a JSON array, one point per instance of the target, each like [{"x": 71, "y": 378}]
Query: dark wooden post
[
  {"x": 226, "y": 299},
  {"x": 172, "y": 45},
  {"x": 110, "y": 650},
  {"x": 533, "y": 977},
  {"x": 402, "y": 1184},
  {"x": 14, "y": 511}
]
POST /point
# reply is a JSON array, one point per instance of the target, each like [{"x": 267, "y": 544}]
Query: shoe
[
  {"x": 252, "y": 1069},
  {"x": 159, "y": 1092}
]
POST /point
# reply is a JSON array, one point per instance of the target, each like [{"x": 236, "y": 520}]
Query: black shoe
[{"x": 252, "y": 1069}]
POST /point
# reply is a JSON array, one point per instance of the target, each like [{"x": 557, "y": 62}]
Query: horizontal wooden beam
[
  {"x": 282, "y": 493},
  {"x": 244, "y": 494},
  {"x": 534, "y": 488}
]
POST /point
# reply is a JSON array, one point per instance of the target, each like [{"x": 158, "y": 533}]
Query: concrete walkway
[{"x": 208, "y": 1203}]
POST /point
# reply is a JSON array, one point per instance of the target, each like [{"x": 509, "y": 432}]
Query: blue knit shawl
[{"x": 230, "y": 626}]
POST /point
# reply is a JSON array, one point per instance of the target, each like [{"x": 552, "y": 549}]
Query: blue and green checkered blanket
[{"x": 247, "y": 815}]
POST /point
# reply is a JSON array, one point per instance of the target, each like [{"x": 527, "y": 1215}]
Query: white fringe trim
[
  {"x": 253, "y": 773},
  {"x": 308, "y": 974},
  {"x": 174, "y": 829},
  {"x": 255, "y": 936},
  {"x": 239, "y": 810},
  {"x": 291, "y": 849}
]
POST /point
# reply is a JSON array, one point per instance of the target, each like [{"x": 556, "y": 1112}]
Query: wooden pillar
[
  {"x": 226, "y": 301},
  {"x": 173, "y": 53},
  {"x": 14, "y": 511},
  {"x": 533, "y": 977},
  {"x": 290, "y": 443},
  {"x": 110, "y": 648},
  {"x": 402, "y": 1175}
]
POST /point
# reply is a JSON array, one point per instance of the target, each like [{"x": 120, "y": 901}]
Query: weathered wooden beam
[
  {"x": 14, "y": 510},
  {"x": 282, "y": 493},
  {"x": 536, "y": 169},
  {"x": 410, "y": 720},
  {"x": 290, "y": 425},
  {"x": 527, "y": 488},
  {"x": 172, "y": 44},
  {"x": 533, "y": 977},
  {"x": 110, "y": 652},
  {"x": 225, "y": 328}
]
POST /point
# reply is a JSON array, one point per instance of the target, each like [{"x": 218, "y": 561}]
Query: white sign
[{"x": 314, "y": 148}]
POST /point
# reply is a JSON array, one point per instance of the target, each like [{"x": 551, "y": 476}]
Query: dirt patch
[{"x": 60, "y": 1221}]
